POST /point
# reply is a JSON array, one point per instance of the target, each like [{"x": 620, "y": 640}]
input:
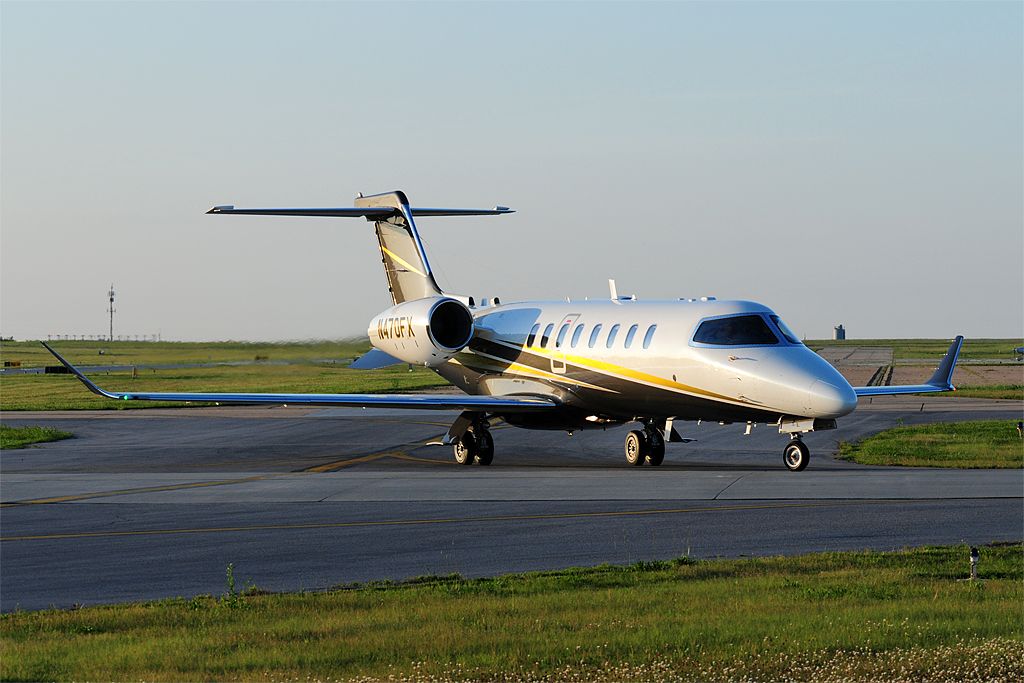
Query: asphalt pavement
[{"x": 156, "y": 503}]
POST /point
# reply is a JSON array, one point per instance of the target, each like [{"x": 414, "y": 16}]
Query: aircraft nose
[{"x": 830, "y": 401}]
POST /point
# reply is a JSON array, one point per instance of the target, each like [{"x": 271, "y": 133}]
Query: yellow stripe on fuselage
[
  {"x": 623, "y": 372},
  {"x": 514, "y": 368}
]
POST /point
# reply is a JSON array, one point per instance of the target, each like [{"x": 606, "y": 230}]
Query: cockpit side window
[
  {"x": 784, "y": 329},
  {"x": 737, "y": 330}
]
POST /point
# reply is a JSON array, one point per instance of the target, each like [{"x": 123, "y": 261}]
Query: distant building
[{"x": 838, "y": 333}]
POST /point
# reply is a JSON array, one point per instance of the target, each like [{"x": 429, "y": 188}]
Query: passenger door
[{"x": 562, "y": 336}]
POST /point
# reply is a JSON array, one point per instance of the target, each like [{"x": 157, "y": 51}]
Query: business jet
[{"x": 577, "y": 365}]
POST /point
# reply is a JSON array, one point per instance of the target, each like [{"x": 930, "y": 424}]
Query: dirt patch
[
  {"x": 857, "y": 375},
  {"x": 965, "y": 375}
]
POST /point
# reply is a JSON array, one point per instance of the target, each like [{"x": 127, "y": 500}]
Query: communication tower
[{"x": 111, "y": 310}]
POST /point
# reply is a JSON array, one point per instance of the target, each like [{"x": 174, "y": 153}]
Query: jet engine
[{"x": 423, "y": 331}]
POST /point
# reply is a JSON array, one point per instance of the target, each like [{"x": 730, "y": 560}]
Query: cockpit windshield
[
  {"x": 738, "y": 330},
  {"x": 784, "y": 329}
]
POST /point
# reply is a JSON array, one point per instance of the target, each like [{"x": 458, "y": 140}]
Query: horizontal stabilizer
[
  {"x": 367, "y": 212},
  {"x": 499, "y": 404},
  {"x": 374, "y": 359},
  {"x": 941, "y": 379}
]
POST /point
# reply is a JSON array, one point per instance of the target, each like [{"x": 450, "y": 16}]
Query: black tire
[
  {"x": 636, "y": 448},
  {"x": 796, "y": 455},
  {"x": 484, "y": 448},
  {"x": 465, "y": 449},
  {"x": 655, "y": 449}
]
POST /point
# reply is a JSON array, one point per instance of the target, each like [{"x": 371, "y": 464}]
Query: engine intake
[{"x": 423, "y": 331}]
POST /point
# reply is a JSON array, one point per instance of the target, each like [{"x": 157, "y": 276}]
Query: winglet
[
  {"x": 943, "y": 375},
  {"x": 77, "y": 373}
]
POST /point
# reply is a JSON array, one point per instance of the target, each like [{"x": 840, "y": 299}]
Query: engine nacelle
[{"x": 423, "y": 331}]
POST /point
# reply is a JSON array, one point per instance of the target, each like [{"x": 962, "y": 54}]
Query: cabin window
[
  {"x": 630, "y": 335},
  {"x": 533, "y": 335},
  {"x": 611, "y": 335},
  {"x": 561, "y": 335},
  {"x": 737, "y": 330},
  {"x": 593, "y": 335},
  {"x": 546, "y": 337},
  {"x": 576, "y": 335},
  {"x": 649, "y": 336},
  {"x": 784, "y": 329}
]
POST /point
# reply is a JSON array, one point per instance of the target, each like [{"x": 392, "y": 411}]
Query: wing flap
[{"x": 522, "y": 403}]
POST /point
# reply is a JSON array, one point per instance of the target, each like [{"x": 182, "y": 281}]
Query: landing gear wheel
[
  {"x": 466, "y": 449},
  {"x": 484, "y": 448},
  {"x": 655, "y": 449},
  {"x": 796, "y": 455},
  {"x": 636, "y": 448}
]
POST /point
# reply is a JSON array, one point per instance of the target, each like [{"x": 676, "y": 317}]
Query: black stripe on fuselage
[{"x": 622, "y": 398}]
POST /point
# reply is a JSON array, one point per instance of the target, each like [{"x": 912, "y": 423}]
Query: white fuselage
[{"x": 660, "y": 369}]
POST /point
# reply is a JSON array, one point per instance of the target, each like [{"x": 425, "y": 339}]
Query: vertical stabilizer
[{"x": 405, "y": 261}]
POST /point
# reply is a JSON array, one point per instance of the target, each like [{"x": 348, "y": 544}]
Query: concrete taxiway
[{"x": 155, "y": 503}]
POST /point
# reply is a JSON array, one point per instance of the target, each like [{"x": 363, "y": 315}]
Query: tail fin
[{"x": 405, "y": 261}]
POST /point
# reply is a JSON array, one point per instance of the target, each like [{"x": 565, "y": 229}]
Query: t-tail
[{"x": 405, "y": 261}]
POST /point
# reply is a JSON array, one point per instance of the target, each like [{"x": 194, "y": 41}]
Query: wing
[
  {"x": 502, "y": 404},
  {"x": 941, "y": 379}
]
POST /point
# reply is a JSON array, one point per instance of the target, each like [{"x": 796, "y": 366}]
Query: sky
[{"x": 858, "y": 163}]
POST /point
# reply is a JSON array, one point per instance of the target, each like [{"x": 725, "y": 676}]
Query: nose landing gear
[{"x": 796, "y": 455}]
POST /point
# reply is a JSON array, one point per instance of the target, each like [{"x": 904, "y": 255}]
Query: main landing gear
[
  {"x": 647, "y": 445},
  {"x": 475, "y": 446},
  {"x": 796, "y": 455}
]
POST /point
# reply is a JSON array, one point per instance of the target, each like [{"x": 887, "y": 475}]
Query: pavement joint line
[
  {"x": 439, "y": 521},
  {"x": 144, "y": 489},
  {"x": 717, "y": 495}
]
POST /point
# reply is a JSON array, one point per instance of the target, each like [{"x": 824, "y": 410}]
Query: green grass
[
  {"x": 1002, "y": 391},
  {"x": 19, "y": 437},
  {"x": 973, "y": 349},
  {"x": 32, "y": 353},
  {"x": 65, "y": 392},
  {"x": 985, "y": 444},
  {"x": 829, "y": 616}
]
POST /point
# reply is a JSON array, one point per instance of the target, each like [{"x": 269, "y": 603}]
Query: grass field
[
  {"x": 823, "y": 617},
  {"x": 986, "y": 444},
  {"x": 19, "y": 437},
  {"x": 65, "y": 392},
  {"x": 299, "y": 367},
  {"x": 32, "y": 353},
  {"x": 929, "y": 349},
  {"x": 1002, "y": 391}
]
